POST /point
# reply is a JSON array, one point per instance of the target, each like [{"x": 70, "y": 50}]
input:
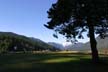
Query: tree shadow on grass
[{"x": 41, "y": 63}]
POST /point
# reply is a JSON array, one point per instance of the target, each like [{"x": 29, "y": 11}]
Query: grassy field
[{"x": 51, "y": 62}]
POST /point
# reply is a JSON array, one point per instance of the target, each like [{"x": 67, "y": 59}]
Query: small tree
[{"x": 73, "y": 17}]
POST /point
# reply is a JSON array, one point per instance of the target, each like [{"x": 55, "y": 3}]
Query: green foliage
[
  {"x": 10, "y": 42},
  {"x": 3, "y": 46},
  {"x": 73, "y": 17}
]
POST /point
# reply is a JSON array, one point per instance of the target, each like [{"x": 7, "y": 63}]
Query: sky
[{"x": 27, "y": 17}]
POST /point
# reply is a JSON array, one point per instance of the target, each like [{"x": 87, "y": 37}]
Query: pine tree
[{"x": 73, "y": 17}]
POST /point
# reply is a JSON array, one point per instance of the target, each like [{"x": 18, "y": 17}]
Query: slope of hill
[
  {"x": 75, "y": 47},
  {"x": 101, "y": 43},
  {"x": 43, "y": 44},
  {"x": 13, "y": 42},
  {"x": 56, "y": 45}
]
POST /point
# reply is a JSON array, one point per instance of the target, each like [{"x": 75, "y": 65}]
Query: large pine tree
[{"x": 73, "y": 17}]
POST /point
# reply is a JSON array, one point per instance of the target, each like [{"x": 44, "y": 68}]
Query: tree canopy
[{"x": 70, "y": 17}]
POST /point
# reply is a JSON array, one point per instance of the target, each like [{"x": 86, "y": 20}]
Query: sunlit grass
[
  {"x": 59, "y": 60},
  {"x": 49, "y": 62}
]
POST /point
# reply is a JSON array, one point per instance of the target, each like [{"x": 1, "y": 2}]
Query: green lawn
[{"x": 50, "y": 62}]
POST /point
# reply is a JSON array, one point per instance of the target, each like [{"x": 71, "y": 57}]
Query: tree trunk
[{"x": 93, "y": 42}]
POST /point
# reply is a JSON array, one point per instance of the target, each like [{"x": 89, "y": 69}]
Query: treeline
[{"x": 11, "y": 42}]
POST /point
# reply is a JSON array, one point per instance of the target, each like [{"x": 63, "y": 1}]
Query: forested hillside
[{"x": 11, "y": 42}]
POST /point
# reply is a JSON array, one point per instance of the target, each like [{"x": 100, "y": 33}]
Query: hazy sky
[{"x": 26, "y": 17}]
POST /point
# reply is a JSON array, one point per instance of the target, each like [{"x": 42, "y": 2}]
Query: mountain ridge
[
  {"x": 10, "y": 41},
  {"x": 101, "y": 44}
]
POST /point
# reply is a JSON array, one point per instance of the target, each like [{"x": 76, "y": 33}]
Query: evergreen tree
[{"x": 73, "y": 17}]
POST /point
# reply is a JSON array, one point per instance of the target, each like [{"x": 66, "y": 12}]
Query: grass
[{"x": 50, "y": 62}]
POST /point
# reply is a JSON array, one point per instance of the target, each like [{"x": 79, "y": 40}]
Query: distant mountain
[
  {"x": 56, "y": 45},
  {"x": 36, "y": 39},
  {"x": 101, "y": 43},
  {"x": 44, "y": 44},
  {"x": 75, "y": 47},
  {"x": 14, "y": 42}
]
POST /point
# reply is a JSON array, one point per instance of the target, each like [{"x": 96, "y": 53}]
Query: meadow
[{"x": 51, "y": 62}]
